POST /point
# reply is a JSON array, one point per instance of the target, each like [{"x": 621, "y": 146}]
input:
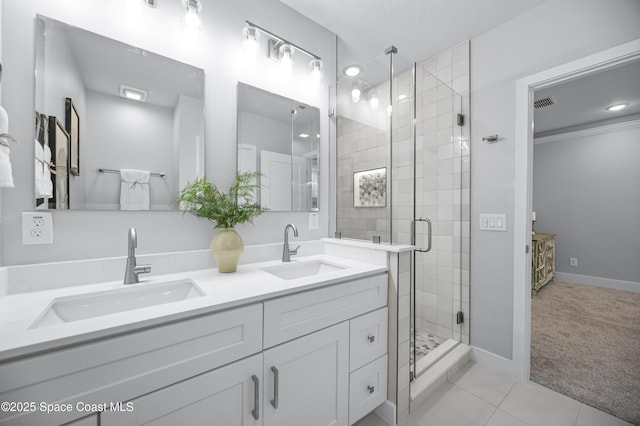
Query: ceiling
[
  {"x": 105, "y": 64},
  {"x": 421, "y": 29},
  {"x": 581, "y": 102}
]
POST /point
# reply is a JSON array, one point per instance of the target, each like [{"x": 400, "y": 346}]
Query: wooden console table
[{"x": 543, "y": 260}]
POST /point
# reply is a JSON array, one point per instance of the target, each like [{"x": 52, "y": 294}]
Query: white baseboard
[
  {"x": 598, "y": 282},
  {"x": 387, "y": 412},
  {"x": 496, "y": 362}
]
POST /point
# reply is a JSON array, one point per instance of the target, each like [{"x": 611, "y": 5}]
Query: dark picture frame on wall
[
  {"x": 59, "y": 144},
  {"x": 370, "y": 188},
  {"x": 72, "y": 125}
]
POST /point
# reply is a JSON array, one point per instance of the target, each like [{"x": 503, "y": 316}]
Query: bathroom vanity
[{"x": 273, "y": 344}]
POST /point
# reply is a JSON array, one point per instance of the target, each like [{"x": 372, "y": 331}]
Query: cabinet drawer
[
  {"x": 288, "y": 317},
  {"x": 123, "y": 367},
  {"x": 368, "y": 338},
  {"x": 367, "y": 388}
]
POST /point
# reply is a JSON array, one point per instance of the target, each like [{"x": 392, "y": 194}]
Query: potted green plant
[{"x": 225, "y": 209}]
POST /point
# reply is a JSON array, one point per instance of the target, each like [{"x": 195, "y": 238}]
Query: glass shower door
[{"x": 440, "y": 151}]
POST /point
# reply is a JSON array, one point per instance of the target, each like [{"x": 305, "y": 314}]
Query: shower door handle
[{"x": 423, "y": 219}]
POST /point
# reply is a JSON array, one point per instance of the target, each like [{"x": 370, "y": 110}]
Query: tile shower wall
[
  {"x": 360, "y": 147},
  {"x": 442, "y": 183},
  {"x": 443, "y": 193}
]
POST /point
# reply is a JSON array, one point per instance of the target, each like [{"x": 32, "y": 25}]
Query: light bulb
[
  {"x": 316, "y": 72},
  {"x": 286, "y": 58},
  {"x": 250, "y": 43},
  {"x": 191, "y": 18},
  {"x": 316, "y": 69},
  {"x": 374, "y": 103},
  {"x": 355, "y": 95}
]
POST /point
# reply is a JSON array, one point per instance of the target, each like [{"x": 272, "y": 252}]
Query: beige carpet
[{"x": 585, "y": 343}]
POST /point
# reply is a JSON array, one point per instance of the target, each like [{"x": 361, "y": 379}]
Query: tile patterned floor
[
  {"x": 425, "y": 343},
  {"x": 482, "y": 397}
]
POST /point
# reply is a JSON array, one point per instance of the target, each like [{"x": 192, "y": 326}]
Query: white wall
[
  {"x": 216, "y": 49},
  {"x": 265, "y": 133},
  {"x": 554, "y": 33},
  {"x": 190, "y": 130},
  {"x": 131, "y": 135},
  {"x": 585, "y": 190}
]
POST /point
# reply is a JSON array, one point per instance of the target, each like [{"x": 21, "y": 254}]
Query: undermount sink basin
[
  {"x": 293, "y": 270},
  {"x": 130, "y": 297}
]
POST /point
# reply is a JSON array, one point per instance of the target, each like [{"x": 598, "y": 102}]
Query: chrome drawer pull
[
  {"x": 274, "y": 401},
  {"x": 371, "y": 339},
  {"x": 256, "y": 397},
  {"x": 371, "y": 389}
]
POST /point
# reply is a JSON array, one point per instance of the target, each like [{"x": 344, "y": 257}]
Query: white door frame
[{"x": 523, "y": 183}]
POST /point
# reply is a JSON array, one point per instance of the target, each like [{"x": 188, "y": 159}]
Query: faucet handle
[
  {"x": 294, "y": 251},
  {"x": 142, "y": 269}
]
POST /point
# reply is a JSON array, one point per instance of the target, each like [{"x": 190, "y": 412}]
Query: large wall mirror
[
  {"x": 280, "y": 138},
  {"x": 117, "y": 127}
]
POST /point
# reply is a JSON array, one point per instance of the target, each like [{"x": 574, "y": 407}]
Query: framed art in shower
[
  {"x": 59, "y": 144},
  {"x": 72, "y": 125},
  {"x": 370, "y": 188}
]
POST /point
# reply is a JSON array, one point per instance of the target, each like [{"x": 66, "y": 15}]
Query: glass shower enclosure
[{"x": 402, "y": 174}]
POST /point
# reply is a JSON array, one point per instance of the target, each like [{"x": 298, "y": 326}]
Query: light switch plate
[
  {"x": 313, "y": 221},
  {"x": 493, "y": 222}
]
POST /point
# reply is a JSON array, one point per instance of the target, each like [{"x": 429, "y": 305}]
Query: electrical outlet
[
  {"x": 573, "y": 261},
  {"x": 37, "y": 228}
]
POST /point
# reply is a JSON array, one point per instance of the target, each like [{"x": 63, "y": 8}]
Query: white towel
[
  {"x": 47, "y": 183},
  {"x": 43, "y": 182},
  {"x": 134, "y": 189},
  {"x": 6, "y": 177}
]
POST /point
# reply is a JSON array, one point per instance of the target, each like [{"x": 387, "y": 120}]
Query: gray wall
[
  {"x": 585, "y": 190},
  {"x": 216, "y": 49},
  {"x": 554, "y": 33}
]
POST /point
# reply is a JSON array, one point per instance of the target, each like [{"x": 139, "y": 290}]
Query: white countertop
[{"x": 249, "y": 284}]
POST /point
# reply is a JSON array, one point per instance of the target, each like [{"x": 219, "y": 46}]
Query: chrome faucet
[
  {"x": 286, "y": 253},
  {"x": 132, "y": 271}
]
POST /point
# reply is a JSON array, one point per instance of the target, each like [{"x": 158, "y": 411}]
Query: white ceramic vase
[{"x": 226, "y": 247}]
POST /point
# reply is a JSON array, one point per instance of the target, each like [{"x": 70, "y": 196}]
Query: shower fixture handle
[
  {"x": 423, "y": 219},
  {"x": 371, "y": 339}
]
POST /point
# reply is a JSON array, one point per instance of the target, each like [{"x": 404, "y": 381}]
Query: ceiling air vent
[{"x": 544, "y": 102}]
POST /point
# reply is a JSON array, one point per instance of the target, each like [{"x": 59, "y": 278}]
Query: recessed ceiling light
[
  {"x": 303, "y": 135},
  {"x": 133, "y": 93},
  {"x": 616, "y": 107},
  {"x": 352, "y": 70}
]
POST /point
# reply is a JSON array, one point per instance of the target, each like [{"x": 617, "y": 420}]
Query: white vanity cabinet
[
  {"x": 313, "y": 371},
  {"x": 124, "y": 367},
  {"x": 229, "y": 396},
  {"x": 312, "y": 358},
  {"x": 307, "y": 380},
  {"x": 91, "y": 420}
]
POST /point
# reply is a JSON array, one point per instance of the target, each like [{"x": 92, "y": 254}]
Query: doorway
[{"x": 525, "y": 89}]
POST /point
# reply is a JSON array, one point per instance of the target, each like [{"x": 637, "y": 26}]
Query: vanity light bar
[{"x": 282, "y": 41}]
